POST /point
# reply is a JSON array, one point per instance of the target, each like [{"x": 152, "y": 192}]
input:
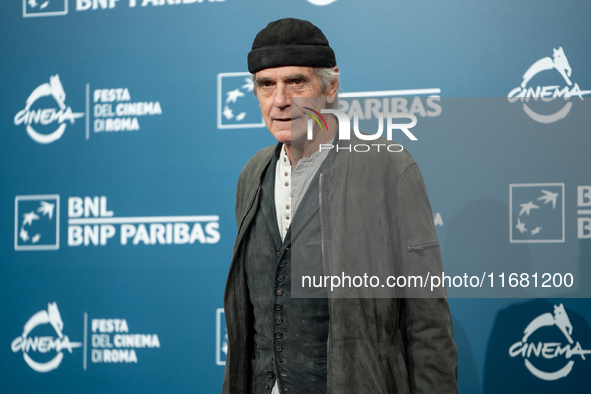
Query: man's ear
[{"x": 332, "y": 91}]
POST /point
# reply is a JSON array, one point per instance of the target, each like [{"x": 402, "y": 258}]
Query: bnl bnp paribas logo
[
  {"x": 36, "y": 8},
  {"x": 537, "y": 212},
  {"x": 540, "y": 102},
  {"x": 538, "y": 352},
  {"x": 238, "y": 108},
  {"x": 92, "y": 223},
  {"x": 43, "y": 342},
  {"x": 107, "y": 111},
  {"x": 36, "y": 222}
]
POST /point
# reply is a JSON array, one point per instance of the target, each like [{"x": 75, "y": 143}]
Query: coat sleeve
[
  {"x": 237, "y": 210},
  {"x": 431, "y": 353}
]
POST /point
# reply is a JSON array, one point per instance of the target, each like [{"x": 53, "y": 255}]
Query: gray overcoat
[{"x": 375, "y": 345}]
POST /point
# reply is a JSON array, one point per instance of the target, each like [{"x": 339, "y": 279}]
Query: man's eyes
[{"x": 266, "y": 84}]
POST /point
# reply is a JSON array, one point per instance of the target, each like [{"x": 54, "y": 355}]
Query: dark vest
[{"x": 290, "y": 335}]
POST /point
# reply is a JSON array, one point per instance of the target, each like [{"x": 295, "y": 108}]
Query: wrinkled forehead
[{"x": 286, "y": 72}]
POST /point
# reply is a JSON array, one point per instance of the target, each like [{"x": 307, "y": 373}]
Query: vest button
[
  {"x": 270, "y": 374},
  {"x": 279, "y": 292},
  {"x": 282, "y": 263},
  {"x": 278, "y": 348},
  {"x": 267, "y": 387},
  {"x": 278, "y": 320},
  {"x": 278, "y": 335},
  {"x": 278, "y": 252},
  {"x": 278, "y": 307},
  {"x": 280, "y": 278}
]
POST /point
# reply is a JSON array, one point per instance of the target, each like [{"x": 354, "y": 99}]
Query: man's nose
[{"x": 282, "y": 97}]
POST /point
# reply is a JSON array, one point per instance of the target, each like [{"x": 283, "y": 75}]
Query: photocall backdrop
[{"x": 125, "y": 125}]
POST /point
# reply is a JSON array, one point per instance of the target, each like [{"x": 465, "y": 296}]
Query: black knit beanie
[{"x": 290, "y": 42}]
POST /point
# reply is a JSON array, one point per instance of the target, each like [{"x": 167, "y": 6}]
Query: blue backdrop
[{"x": 125, "y": 124}]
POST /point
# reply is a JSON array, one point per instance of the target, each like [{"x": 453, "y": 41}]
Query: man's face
[{"x": 275, "y": 89}]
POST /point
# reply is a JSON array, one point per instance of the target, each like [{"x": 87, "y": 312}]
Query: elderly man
[{"x": 284, "y": 344}]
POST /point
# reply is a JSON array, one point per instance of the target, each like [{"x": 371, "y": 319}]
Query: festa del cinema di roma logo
[
  {"x": 44, "y": 344},
  {"x": 113, "y": 111},
  {"x": 110, "y": 341},
  {"x": 549, "y": 350},
  {"x": 52, "y": 120},
  {"x": 549, "y": 93}
]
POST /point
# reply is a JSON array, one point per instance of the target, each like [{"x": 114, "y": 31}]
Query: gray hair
[{"x": 326, "y": 77}]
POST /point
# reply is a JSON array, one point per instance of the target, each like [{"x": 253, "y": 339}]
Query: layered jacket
[{"x": 373, "y": 207}]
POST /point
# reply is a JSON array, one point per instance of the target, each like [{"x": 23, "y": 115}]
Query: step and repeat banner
[{"x": 125, "y": 125}]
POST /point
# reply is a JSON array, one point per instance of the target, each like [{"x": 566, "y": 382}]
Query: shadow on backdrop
[{"x": 468, "y": 381}]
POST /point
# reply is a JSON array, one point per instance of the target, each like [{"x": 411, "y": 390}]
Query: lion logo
[
  {"x": 53, "y": 88},
  {"x": 559, "y": 62},
  {"x": 559, "y": 319}
]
